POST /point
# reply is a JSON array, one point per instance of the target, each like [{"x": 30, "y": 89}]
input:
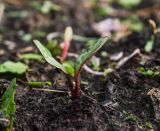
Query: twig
[
  {"x": 85, "y": 67},
  {"x": 53, "y": 35},
  {"x": 125, "y": 59},
  {"x": 50, "y": 90}
]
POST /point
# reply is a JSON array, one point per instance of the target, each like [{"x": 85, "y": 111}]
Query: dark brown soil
[
  {"x": 123, "y": 104},
  {"x": 125, "y": 100}
]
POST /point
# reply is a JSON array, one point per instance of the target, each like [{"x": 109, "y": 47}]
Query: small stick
[
  {"x": 54, "y": 35},
  {"x": 125, "y": 59},
  {"x": 50, "y": 90},
  {"x": 85, "y": 67}
]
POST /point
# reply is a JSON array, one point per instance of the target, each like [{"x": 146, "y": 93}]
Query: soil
[{"x": 124, "y": 100}]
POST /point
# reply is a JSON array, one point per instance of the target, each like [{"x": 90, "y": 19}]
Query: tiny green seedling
[
  {"x": 148, "y": 72},
  {"x": 80, "y": 61},
  {"x": 150, "y": 43},
  {"x": 8, "y": 107}
]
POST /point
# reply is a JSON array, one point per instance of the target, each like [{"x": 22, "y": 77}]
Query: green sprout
[
  {"x": 150, "y": 43},
  {"x": 148, "y": 72},
  {"x": 8, "y": 107},
  {"x": 78, "y": 64}
]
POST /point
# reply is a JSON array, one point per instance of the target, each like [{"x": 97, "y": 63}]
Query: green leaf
[
  {"x": 39, "y": 83},
  {"x": 30, "y": 56},
  {"x": 149, "y": 125},
  {"x": 26, "y": 37},
  {"x": 13, "y": 67},
  {"x": 8, "y": 105},
  {"x": 149, "y": 45},
  {"x": 69, "y": 66},
  {"x": 48, "y": 56},
  {"x": 95, "y": 62},
  {"x": 148, "y": 72},
  {"x": 45, "y": 7},
  {"x": 134, "y": 24},
  {"x": 48, "y": 6},
  {"x": 51, "y": 45},
  {"x": 129, "y": 3},
  {"x": 93, "y": 48},
  {"x": 104, "y": 11},
  {"x": 131, "y": 117},
  {"x": 17, "y": 14},
  {"x": 39, "y": 33}
]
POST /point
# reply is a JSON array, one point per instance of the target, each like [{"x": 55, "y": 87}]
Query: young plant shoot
[
  {"x": 80, "y": 61},
  {"x": 68, "y": 35},
  {"x": 8, "y": 107},
  {"x": 150, "y": 43}
]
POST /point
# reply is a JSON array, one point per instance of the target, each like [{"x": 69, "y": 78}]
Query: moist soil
[{"x": 124, "y": 100}]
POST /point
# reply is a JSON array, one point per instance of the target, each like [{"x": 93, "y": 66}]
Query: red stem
[
  {"x": 77, "y": 92},
  {"x": 65, "y": 48}
]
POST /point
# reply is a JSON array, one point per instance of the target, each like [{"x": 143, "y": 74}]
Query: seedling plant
[
  {"x": 78, "y": 64},
  {"x": 8, "y": 107}
]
